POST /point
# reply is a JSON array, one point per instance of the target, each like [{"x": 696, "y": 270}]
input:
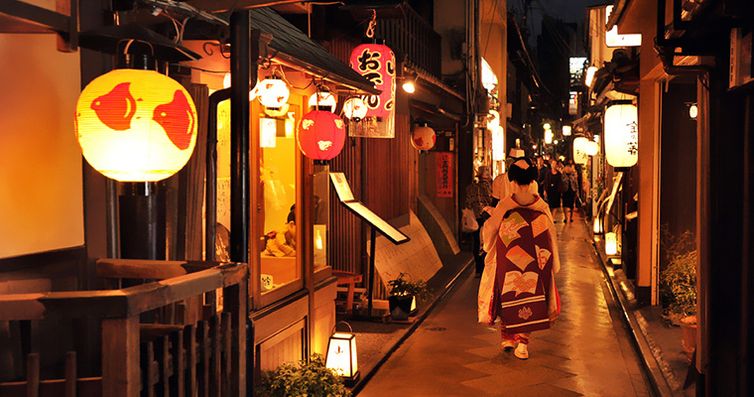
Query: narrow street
[{"x": 586, "y": 353}]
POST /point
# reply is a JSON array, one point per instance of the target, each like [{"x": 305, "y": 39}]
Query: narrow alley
[{"x": 587, "y": 352}]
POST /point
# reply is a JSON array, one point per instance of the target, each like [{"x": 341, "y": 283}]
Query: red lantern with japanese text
[
  {"x": 321, "y": 135},
  {"x": 376, "y": 62}
]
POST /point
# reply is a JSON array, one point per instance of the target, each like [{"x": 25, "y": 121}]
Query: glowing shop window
[
  {"x": 279, "y": 266},
  {"x": 321, "y": 209}
]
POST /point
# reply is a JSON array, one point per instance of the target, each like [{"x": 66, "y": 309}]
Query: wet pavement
[{"x": 587, "y": 352}]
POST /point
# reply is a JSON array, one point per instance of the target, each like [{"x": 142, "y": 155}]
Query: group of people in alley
[{"x": 515, "y": 244}]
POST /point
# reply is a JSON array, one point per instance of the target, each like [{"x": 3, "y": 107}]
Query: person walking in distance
[
  {"x": 570, "y": 188},
  {"x": 553, "y": 185},
  {"x": 479, "y": 199},
  {"x": 518, "y": 283}
]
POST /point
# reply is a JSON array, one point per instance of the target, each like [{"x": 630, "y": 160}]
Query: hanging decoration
[
  {"x": 273, "y": 93},
  {"x": 354, "y": 109},
  {"x": 423, "y": 137},
  {"x": 376, "y": 62},
  {"x": 580, "y": 155},
  {"x": 321, "y": 135},
  {"x": 136, "y": 125},
  {"x": 621, "y": 135},
  {"x": 323, "y": 100},
  {"x": 567, "y": 130}
]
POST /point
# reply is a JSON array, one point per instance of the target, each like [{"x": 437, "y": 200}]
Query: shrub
[
  {"x": 400, "y": 286},
  {"x": 678, "y": 284},
  {"x": 310, "y": 379}
]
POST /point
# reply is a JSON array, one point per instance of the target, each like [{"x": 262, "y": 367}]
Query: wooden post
[
  {"x": 70, "y": 374},
  {"x": 120, "y": 357},
  {"x": 235, "y": 302},
  {"x": 32, "y": 375}
]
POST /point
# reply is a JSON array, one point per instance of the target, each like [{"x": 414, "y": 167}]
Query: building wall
[{"x": 41, "y": 194}]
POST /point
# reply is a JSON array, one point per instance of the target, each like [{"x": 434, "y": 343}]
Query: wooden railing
[
  {"x": 414, "y": 38},
  {"x": 157, "y": 337}
]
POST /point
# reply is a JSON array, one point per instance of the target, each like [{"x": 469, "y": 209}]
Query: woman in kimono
[{"x": 518, "y": 283}]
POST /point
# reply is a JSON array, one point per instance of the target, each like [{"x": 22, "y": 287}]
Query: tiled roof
[{"x": 293, "y": 43}]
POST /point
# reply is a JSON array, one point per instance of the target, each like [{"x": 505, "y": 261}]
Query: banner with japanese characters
[
  {"x": 444, "y": 183},
  {"x": 376, "y": 62}
]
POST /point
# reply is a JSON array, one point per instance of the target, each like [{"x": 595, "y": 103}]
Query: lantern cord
[
  {"x": 131, "y": 41},
  {"x": 372, "y": 25},
  {"x": 285, "y": 78}
]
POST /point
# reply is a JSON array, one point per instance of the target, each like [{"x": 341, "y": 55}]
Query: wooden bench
[{"x": 349, "y": 280}]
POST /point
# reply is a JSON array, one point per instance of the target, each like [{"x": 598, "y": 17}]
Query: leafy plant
[
  {"x": 678, "y": 284},
  {"x": 401, "y": 286},
  {"x": 305, "y": 379}
]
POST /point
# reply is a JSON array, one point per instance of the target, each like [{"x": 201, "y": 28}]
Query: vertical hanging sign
[
  {"x": 376, "y": 62},
  {"x": 444, "y": 162}
]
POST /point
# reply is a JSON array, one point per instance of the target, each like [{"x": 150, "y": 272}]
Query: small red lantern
[
  {"x": 423, "y": 137},
  {"x": 376, "y": 62},
  {"x": 321, "y": 135}
]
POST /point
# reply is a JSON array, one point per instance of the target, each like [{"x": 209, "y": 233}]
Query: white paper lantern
[
  {"x": 355, "y": 108},
  {"x": 621, "y": 135},
  {"x": 548, "y": 136},
  {"x": 592, "y": 148},
  {"x": 590, "y": 72},
  {"x": 273, "y": 93},
  {"x": 323, "y": 100},
  {"x": 580, "y": 155},
  {"x": 567, "y": 130},
  {"x": 611, "y": 244}
]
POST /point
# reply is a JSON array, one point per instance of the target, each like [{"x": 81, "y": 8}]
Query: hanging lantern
[
  {"x": 423, "y": 137},
  {"x": 579, "y": 150},
  {"x": 566, "y": 130},
  {"x": 621, "y": 135},
  {"x": 273, "y": 93},
  {"x": 591, "y": 148},
  {"x": 376, "y": 62},
  {"x": 323, "y": 100},
  {"x": 597, "y": 225},
  {"x": 548, "y": 136},
  {"x": 136, "y": 125},
  {"x": 341, "y": 354},
  {"x": 354, "y": 109},
  {"x": 321, "y": 135},
  {"x": 589, "y": 78},
  {"x": 278, "y": 112},
  {"x": 611, "y": 244}
]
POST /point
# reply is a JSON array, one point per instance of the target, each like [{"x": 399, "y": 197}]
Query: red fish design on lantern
[
  {"x": 321, "y": 135},
  {"x": 116, "y": 108},
  {"x": 376, "y": 62},
  {"x": 176, "y": 119},
  {"x": 136, "y": 125}
]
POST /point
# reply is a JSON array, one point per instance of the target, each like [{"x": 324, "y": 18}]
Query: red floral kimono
[{"x": 518, "y": 283}]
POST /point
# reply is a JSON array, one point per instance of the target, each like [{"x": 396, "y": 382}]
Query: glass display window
[{"x": 278, "y": 216}]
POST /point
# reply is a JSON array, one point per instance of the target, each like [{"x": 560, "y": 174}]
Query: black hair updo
[{"x": 522, "y": 173}]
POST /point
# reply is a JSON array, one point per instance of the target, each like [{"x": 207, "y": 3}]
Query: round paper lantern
[
  {"x": 323, "y": 100},
  {"x": 273, "y": 93},
  {"x": 376, "y": 62},
  {"x": 580, "y": 155},
  {"x": 621, "y": 135},
  {"x": 591, "y": 148},
  {"x": 136, "y": 125},
  {"x": 321, "y": 135},
  {"x": 355, "y": 108},
  {"x": 423, "y": 137}
]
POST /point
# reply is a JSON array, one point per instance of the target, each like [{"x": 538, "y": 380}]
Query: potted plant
[
  {"x": 678, "y": 286},
  {"x": 404, "y": 295},
  {"x": 307, "y": 378}
]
